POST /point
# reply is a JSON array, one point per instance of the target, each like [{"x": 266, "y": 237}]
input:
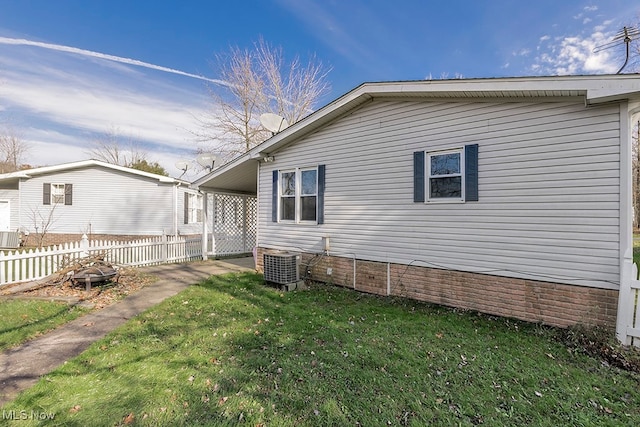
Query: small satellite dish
[
  {"x": 183, "y": 165},
  {"x": 273, "y": 122},
  {"x": 206, "y": 160}
]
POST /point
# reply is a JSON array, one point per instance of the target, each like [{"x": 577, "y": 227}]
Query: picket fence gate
[
  {"x": 628, "y": 321},
  {"x": 33, "y": 264}
]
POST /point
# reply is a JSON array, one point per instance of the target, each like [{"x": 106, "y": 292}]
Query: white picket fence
[
  {"x": 628, "y": 322},
  {"x": 33, "y": 264}
]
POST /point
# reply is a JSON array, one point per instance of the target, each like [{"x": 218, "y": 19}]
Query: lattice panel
[{"x": 234, "y": 223}]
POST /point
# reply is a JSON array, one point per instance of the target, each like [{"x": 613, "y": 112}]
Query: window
[
  {"x": 446, "y": 176},
  {"x": 299, "y": 195},
  {"x": 192, "y": 208},
  {"x": 57, "y": 194}
]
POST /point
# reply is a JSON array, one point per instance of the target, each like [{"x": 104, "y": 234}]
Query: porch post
[
  {"x": 205, "y": 230},
  {"x": 625, "y": 313}
]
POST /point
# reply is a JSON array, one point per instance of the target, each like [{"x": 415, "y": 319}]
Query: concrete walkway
[{"x": 21, "y": 367}]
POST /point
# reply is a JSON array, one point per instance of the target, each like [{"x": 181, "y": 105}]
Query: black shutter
[
  {"x": 471, "y": 172},
  {"x": 186, "y": 208},
  {"x": 274, "y": 197},
  {"x": 46, "y": 193},
  {"x": 68, "y": 194},
  {"x": 320, "y": 201},
  {"x": 418, "y": 176}
]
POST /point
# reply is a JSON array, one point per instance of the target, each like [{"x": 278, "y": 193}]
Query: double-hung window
[
  {"x": 444, "y": 171},
  {"x": 446, "y": 175},
  {"x": 192, "y": 208},
  {"x": 299, "y": 194},
  {"x": 57, "y": 194}
]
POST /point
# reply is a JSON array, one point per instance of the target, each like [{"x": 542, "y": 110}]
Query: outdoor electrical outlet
[{"x": 329, "y": 271}]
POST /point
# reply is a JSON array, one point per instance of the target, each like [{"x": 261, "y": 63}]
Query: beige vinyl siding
[
  {"x": 105, "y": 201},
  {"x": 548, "y": 185}
]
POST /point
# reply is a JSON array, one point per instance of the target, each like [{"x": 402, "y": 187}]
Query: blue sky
[{"x": 71, "y": 70}]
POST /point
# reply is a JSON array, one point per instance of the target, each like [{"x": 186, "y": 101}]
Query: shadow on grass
[
  {"x": 35, "y": 327},
  {"x": 231, "y": 351}
]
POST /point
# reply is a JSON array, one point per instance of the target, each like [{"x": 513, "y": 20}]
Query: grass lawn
[
  {"x": 231, "y": 351},
  {"x": 22, "y": 320}
]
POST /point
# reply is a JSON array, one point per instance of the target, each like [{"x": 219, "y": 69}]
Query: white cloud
[
  {"x": 62, "y": 102},
  {"x": 576, "y": 54},
  {"x": 590, "y": 8}
]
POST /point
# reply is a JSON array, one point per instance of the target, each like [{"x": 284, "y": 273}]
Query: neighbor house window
[
  {"x": 57, "y": 194},
  {"x": 299, "y": 195},
  {"x": 446, "y": 176},
  {"x": 192, "y": 208}
]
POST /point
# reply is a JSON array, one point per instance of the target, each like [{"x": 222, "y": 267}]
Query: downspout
[{"x": 626, "y": 226}]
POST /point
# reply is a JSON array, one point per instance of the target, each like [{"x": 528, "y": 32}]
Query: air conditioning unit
[{"x": 282, "y": 270}]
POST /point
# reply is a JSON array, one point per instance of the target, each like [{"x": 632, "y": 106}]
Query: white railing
[{"x": 33, "y": 264}]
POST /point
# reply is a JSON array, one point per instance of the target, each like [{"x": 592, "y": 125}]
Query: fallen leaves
[{"x": 129, "y": 281}]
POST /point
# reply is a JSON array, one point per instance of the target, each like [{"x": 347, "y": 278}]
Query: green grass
[
  {"x": 234, "y": 352},
  {"x": 22, "y": 320}
]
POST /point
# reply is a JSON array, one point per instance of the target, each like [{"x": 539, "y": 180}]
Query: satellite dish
[
  {"x": 183, "y": 165},
  {"x": 273, "y": 122},
  {"x": 206, "y": 160}
]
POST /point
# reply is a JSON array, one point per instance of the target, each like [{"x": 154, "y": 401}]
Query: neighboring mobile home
[
  {"x": 510, "y": 196},
  {"x": 96, "y": 198}
]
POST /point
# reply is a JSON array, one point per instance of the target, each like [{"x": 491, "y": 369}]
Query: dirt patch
[{"x": 128, "y": 281}]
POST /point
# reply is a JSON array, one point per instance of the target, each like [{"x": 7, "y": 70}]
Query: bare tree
[
  {"x": 293, "y": 88},
  {"x": 13, "y": 150},
  {"x": 113, "y": 148},
  {"x": 42, "y": 223},
  {"x": 259, "y": 80}
]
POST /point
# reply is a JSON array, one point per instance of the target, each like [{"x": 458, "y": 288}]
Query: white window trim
[
  {"x": 297, "y": 196},
  {"x": 429, "y": 154},
  {"x": 195, "y": 205},
  {"x": 57, "y": 194}
]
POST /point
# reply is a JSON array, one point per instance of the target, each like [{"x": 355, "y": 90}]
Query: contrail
[{"x": 69, "y": 49}]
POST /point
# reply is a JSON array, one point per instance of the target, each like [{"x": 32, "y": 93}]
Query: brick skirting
[{"x": 549, "y": 303}]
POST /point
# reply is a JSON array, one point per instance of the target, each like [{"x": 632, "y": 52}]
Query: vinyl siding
[
  {"x": 14, "y": 206},
  {"x": 548, "y": 188},
  {"x": 105, "y": 201}
]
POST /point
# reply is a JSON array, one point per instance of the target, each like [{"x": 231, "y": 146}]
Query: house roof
[
  {"x": 29, "y": 173},
  {"x": 240, "y": 175}
]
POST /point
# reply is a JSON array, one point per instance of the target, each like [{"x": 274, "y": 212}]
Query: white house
[
  {"x": 509, "y": 196},
  {"x": 98, "y": 199}
]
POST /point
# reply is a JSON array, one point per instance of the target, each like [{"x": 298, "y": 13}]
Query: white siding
[
  {"x": 548, "y": 187},
  {"x": 13, "y": 197},
  {"x": 105, "y": 201}
]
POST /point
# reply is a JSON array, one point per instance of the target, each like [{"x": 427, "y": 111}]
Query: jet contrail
[{"x": 69, "y": 49}]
